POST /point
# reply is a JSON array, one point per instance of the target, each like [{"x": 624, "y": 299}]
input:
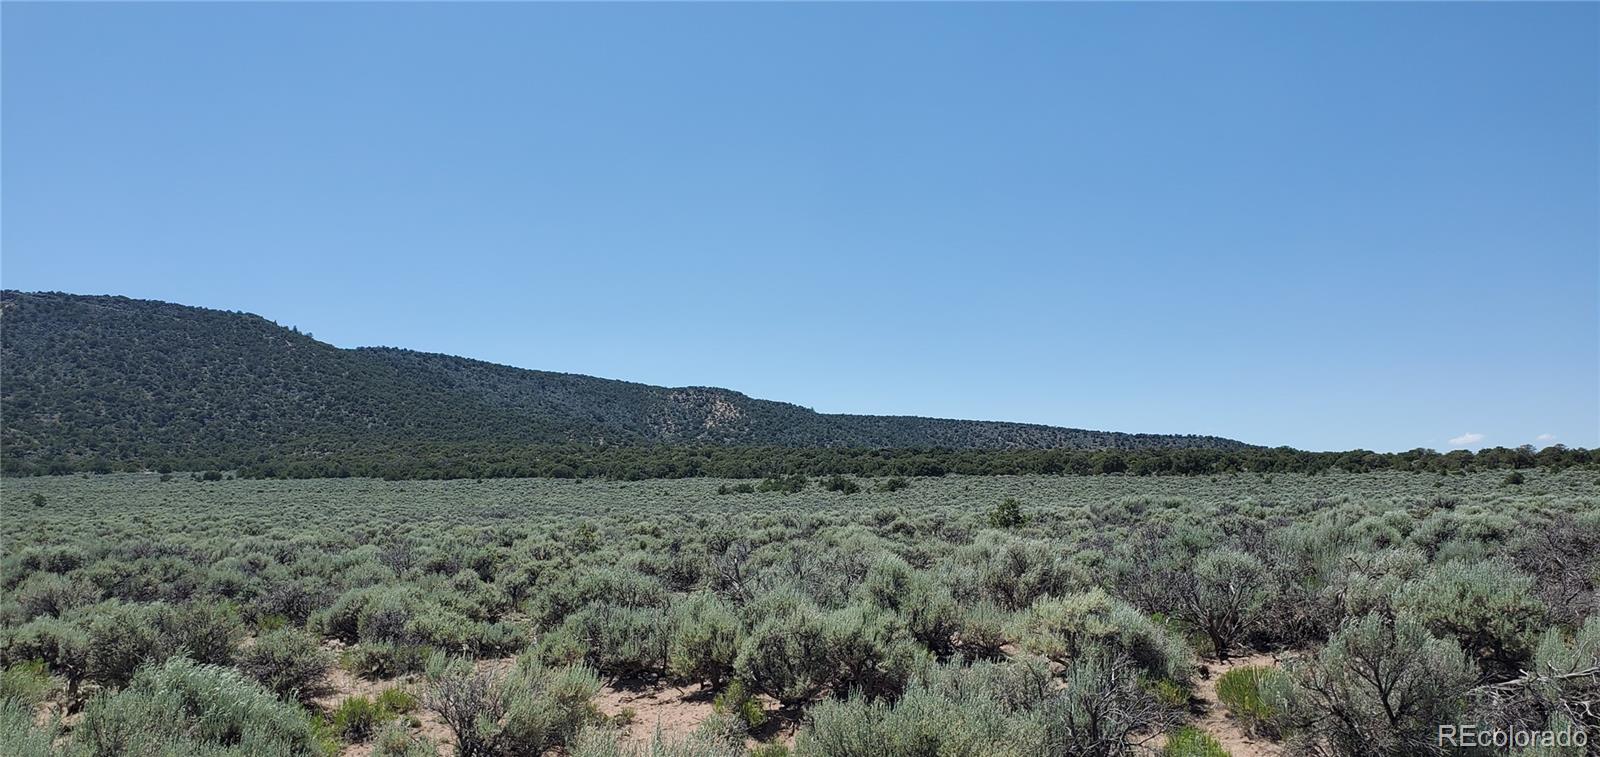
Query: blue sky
[{"x": 1323, "y": 225}]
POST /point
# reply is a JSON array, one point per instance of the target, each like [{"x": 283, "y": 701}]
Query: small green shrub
[
  {"x": 1007, "y": 514},
  {"x": 26, "y": 683},
  {"x": 1253, "y": 693},
  {"x": 892, "y": 484},
  {"x": 838, "y": 483},
  {"x": 393, "y": 740},
  {"x": 1170, "y": 693},
  {"x": 1189, "y": 741},
  {"x": 736, "y": 701},
  {"x": 396, "y": 700},
  {"x": 355, "y": 718}
]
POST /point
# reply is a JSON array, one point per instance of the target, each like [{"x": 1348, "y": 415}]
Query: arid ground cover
[{"x": 1348, "y": 614}]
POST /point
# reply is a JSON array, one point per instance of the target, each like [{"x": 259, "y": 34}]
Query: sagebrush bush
[
  {"x": 289, "y": 662},
  {"x": 1381, "y": 686},
  {"x": 1010, "y": 572},
  {"x": 547, "y": 707},
  {"x": 393, "y": 740},
  {"x": 1105, "y": 703},
  {"x": 957, "y": 710},
  {"x": 182, "y": 707},
  {"x": 53, "y": 595},
  {"x": 929, "y": 612},
  {"x": 205, "y": 632},
  {"x": 1070, "y": 627},
  {"x": 705, "y": 639},
  {"x": 1224, "y": 595},
  {"x": 622, "y": 640},
  {"x": 871, "y": 651},
  {"x": 982, "y": 631},
  {"x": 704, "y": 742},
  {"x": 600, "y": 585},
  {"x": 120, "y": 638},
  {"x": 381, "y": 660},
  {"x": 1364, "y": 583},
  {"x": 22, "y": 735},
  {"x": 527, "y": 710},
  {"x": 1489, "y": 608},
  {"x": 62, "y": 646},
  {"x": 788, "y": 656}
]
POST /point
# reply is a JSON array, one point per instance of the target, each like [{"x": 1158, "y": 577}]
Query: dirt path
[{"x": 1215, "y": 719}]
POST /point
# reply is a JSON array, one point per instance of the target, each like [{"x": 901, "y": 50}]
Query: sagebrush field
[{"x": 149, "y": 614}]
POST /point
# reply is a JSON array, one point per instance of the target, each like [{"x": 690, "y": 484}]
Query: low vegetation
[{"x": 148, "y": 614}]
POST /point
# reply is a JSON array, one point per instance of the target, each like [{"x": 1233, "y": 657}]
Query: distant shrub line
[{"x": 336, "y": 459}]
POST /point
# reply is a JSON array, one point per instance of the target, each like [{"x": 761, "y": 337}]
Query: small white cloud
[
  {"x": 1545, "y": 438},
  {"x": 1466, "y": 439}
]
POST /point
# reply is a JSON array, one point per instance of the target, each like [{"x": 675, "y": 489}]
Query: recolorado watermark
[{"x": 1473, "y": 735}]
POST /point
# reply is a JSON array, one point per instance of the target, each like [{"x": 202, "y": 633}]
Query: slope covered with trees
[{"x": 92, "y": 381}]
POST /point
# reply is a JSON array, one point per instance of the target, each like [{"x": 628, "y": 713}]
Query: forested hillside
[{"x": 91, "y": 382}]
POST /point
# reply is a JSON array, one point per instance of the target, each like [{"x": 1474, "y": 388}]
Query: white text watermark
[{"x": 1473, "y": 735}]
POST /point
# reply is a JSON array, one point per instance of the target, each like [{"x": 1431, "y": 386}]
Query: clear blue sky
[{"x": 1322, "y": 225}]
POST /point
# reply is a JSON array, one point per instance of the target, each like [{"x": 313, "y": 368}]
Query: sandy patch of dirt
[
  {"x": 675, "y": 712},
  {"x": 672, "y": 710}
]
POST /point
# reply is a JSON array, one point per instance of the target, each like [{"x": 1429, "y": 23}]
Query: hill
[{"x": 118, "y": 379}]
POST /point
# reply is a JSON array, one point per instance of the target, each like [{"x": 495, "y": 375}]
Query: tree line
[{"x": 404, "y": 461}]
